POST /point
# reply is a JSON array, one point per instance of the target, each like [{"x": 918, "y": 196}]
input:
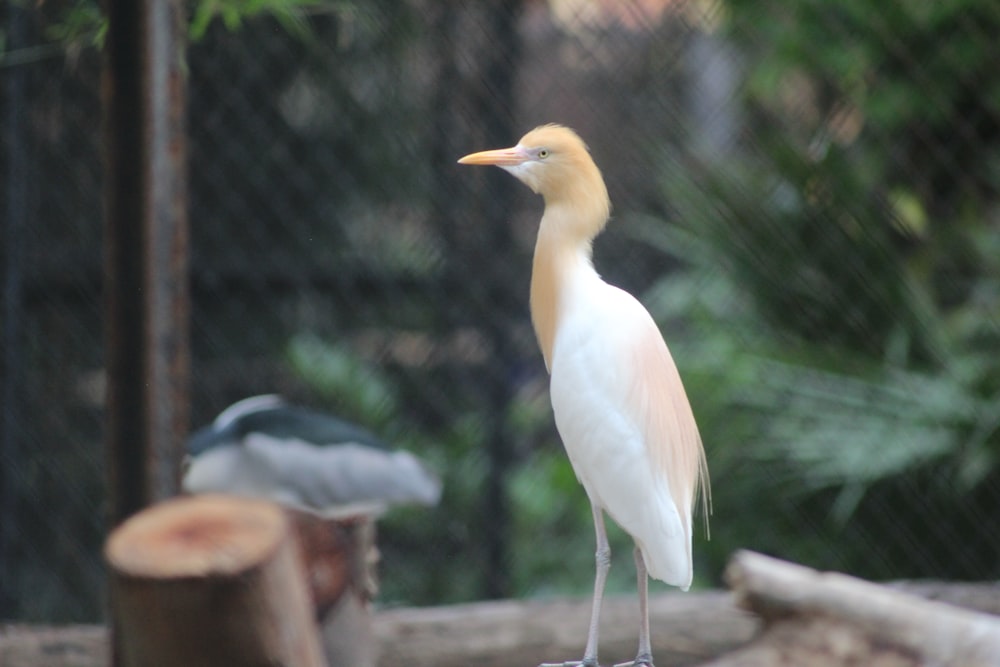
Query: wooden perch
[
  {"x": 686, "y": 629},
  {"x": 210, "y": 580},
  {"x": 838, "y": 614}
]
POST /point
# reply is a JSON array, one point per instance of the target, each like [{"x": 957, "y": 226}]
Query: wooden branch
[
  {"x": 686, "y": 628},
  {"x": 925, "y": 631},
  {"x": 210, "y": 580}
]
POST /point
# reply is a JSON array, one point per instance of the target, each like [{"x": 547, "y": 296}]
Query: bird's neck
[{"x": 559, "y": 259}]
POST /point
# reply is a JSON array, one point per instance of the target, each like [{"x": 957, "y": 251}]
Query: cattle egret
[
  {"x": 619, "y": 404},
  {"x": 264, "y": 447}
]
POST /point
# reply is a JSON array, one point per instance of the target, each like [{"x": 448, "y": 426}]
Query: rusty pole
[{"x": 146, "y": 252}]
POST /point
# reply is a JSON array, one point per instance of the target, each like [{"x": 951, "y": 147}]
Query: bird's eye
[{"x": 543, "y": 153}]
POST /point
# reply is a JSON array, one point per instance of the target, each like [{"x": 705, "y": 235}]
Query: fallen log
[
  {"x": 687, "y": 628},
  {"x": 831, "y": 619},
  {"x": 210, "y": 580}
]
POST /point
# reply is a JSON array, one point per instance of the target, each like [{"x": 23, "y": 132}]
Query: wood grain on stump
[{"x": 210, "y": 580}]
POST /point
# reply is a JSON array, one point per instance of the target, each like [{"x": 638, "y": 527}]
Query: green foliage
[
  {"x": 795, "y": 421},
  {"x": 417, "y": 542},
  {"x": 817, "y": 243},
  {"x": 836, "y": 321},
  {"x": 899, "y": 84},
  {"x": 81, "y": 24},
  {"x": 355, "y": 389},
  {"x": 290, "y": 14}
]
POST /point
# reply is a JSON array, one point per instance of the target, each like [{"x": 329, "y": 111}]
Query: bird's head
[{"x": 553, "y": 161}]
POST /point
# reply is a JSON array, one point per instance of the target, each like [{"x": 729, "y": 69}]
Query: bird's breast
[{"x": 590, "y": 386}]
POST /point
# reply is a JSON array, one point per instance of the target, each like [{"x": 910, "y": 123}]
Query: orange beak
[{"x": 501, "y": 157}]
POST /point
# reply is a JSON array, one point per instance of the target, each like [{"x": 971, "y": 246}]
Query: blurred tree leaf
[
  {"x": 290, "y": 14},
  {"x": 82, "y": 24},
  {"x": 356, "y": 388},
  {"x": 820, "y": 362}
]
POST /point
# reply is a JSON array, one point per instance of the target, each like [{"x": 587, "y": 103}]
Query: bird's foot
[
  {"x": 645, "y": 660},
  {"x": 572, "y": 663}
]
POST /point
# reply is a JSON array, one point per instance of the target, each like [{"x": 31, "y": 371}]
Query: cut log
[
  {"x": 210, "y": 580},
  {"x": 854, "y": 617}
]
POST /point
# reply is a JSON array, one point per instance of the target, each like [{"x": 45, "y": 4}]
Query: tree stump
[
  {"x": 210, "y": 580},
  {"x": 339, "y": 557}
]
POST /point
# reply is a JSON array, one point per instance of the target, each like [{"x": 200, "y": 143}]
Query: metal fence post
[
  {"x": 146, "y": 239},
  {"x": 146, "y": 245},
  {"x": 13, "y": 372}
]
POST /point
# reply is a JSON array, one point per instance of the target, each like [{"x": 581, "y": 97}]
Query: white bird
[
  {"x": 309, "y": 460},
  {"x": 619, "y": 404}
]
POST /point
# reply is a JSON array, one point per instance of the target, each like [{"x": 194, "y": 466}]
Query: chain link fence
[{"x": 805, "y": 196}]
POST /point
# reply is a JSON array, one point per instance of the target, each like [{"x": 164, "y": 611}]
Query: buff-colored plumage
[{"x": 619, "y": 404}]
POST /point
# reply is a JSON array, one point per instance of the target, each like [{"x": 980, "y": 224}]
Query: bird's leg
[
  {"x": 645, "y": 654},
  {"x": 644, "y": 658},
  {"x": 602, "y": 559},
  {"x": 603, "y": 562}
]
